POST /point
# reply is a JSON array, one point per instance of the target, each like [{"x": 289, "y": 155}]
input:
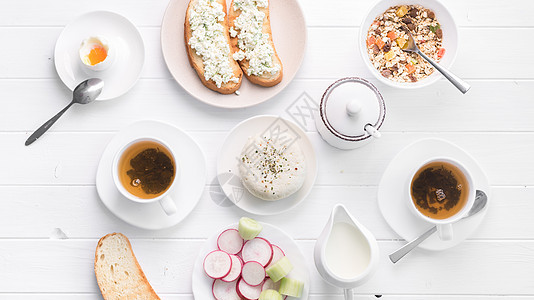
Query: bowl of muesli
[{"x": 384, "y": 34}]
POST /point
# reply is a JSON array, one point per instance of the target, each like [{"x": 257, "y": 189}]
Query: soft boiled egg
[{"x": 96, "y": 53}]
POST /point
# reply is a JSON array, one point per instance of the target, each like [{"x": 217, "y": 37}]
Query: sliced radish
[
  {"x": 217, "y": 264},
  {"x": 258, "y": 249},
  {"x": 225, "y": 290},
  {"x": 253, "y": 273},
  {"x": 269, "y": 284},
  {"x": 277, "y": 255},
  {"x": 235, "y": 272},
  {"x": 247, "y": 291},
  {"x": 230, "y": 241}
]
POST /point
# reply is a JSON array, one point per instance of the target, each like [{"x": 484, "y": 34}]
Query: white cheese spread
[
  {"x": 253, "y": 43},
  {"x": 271, "y": 170},
  {"x": 209, "y": 41}
]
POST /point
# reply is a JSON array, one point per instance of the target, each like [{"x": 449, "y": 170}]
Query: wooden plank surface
[
  {"x": 169, "y": 264},
  {"x": 492, "y": 106},
  {"x": 39, "y": 212},
  {"x": 472, "y": 13},
  {"x": 51, "y": 217}
]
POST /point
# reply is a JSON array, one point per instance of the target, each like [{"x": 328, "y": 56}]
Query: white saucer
[
  {"x": 202, "y": 283},
  {"x": 121, "y": 76},
  {"x": 289, "y": 35},
  {"x": 192, "y": 178},
  {"x": 228, "y": 164},
  {"x": 392, "y": 190}
]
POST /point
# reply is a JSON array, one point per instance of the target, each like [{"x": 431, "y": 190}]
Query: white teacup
[
  {"x": 165, "y": 200},
  {"x": 444, "y": 226}
]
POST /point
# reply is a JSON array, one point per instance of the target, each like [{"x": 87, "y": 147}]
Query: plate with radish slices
[{"x": 250, "y": 261}]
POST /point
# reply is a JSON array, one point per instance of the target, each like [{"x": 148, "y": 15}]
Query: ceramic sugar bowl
[{"x": 351, "y": 112}]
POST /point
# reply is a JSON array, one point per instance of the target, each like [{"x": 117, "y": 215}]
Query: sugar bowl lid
[{"x": 352, "y": 109}]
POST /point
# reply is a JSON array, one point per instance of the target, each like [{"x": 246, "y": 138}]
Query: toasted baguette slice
[
  {"x": 117, "y": 271},
  {"x": 265, "y": 79},
  {"x": 196, "y": 61}
]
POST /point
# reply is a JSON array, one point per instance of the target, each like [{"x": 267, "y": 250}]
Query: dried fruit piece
[
  {"x": 371, "y": 40},
  {"x": 389, "y": 55},
  {"x": 380, "y": 43},
  {"x": 410, "y": 68},
  {"x": 402, "y": 43},
  {"x": 375, "y": 49},
  {"x": 439, "y": 33},
  {"x": 386, "y": 73},
  {"x": 402, "y": 11},
  {"x": 441, "y": 52},
  {"x": 392, "y": 35},
  {"x": 387, "y": 46}
]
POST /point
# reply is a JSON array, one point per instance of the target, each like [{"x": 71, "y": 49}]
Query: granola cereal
[{"x": 387, "y": 36}]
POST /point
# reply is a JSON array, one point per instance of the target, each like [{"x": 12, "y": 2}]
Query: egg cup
[{"x": 91, "y": 43}]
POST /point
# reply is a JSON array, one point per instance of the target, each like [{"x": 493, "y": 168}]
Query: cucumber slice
[
  {"x": 249, "y": 228},
  {"x": 280, "y": 269},
  {"x": 270, "y": 295},
  {"x": 291, "y": 287}
]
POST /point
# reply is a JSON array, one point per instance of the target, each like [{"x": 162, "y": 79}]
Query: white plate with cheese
[{"x": 229, "y": 162}]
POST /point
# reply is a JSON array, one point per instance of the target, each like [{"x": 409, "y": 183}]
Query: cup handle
[
  {"x": 168, "y": 205},
  {"x": 445, "y": 232},
  {"x": 348, "y": 294}
]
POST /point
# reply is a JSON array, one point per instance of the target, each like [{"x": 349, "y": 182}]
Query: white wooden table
[{"x": 51, "y": 216}]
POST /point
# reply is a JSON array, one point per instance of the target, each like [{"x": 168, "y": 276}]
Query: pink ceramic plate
[{"x": 289, "y": 35}]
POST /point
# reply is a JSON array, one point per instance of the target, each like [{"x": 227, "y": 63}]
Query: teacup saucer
[
  {"x": 192, "y": 178},
  {"x": 392, "y": 190},
  {"x": 121, "y": 76}
]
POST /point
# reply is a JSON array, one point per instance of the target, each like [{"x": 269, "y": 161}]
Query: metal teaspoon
[
  {"x": 85, "y": 92},
  {"x": 481, "y": 199},
  {"x": 411, "y": 46}
]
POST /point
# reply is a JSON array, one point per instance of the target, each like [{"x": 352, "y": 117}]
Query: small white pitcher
[{"x": 341, "y": 215}]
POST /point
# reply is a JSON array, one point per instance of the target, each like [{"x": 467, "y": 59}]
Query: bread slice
[
  {"x": 117, "y": 271},
  {"x": 196, "y": 61},
  {"x": 265, "y": 79}
]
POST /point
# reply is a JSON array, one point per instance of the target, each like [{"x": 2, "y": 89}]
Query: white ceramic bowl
[{"x": 450, "y": 38}]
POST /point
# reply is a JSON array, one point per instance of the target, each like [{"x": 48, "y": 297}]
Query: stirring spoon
[
  {"x": 85, "y": 92},
  {"x": 411, "y": 46},
  {"x": 481, "y": 200}
]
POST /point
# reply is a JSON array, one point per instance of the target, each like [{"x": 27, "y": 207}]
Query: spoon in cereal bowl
[{"x": 411, "y": 46}]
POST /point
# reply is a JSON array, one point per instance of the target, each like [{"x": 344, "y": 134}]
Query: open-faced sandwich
[
  {"x": 208, "y": 45},
  {"x": 252, "y": 41}
]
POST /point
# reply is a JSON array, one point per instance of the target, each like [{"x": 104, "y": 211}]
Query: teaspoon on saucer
[{"x": 481, "y": 199}]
